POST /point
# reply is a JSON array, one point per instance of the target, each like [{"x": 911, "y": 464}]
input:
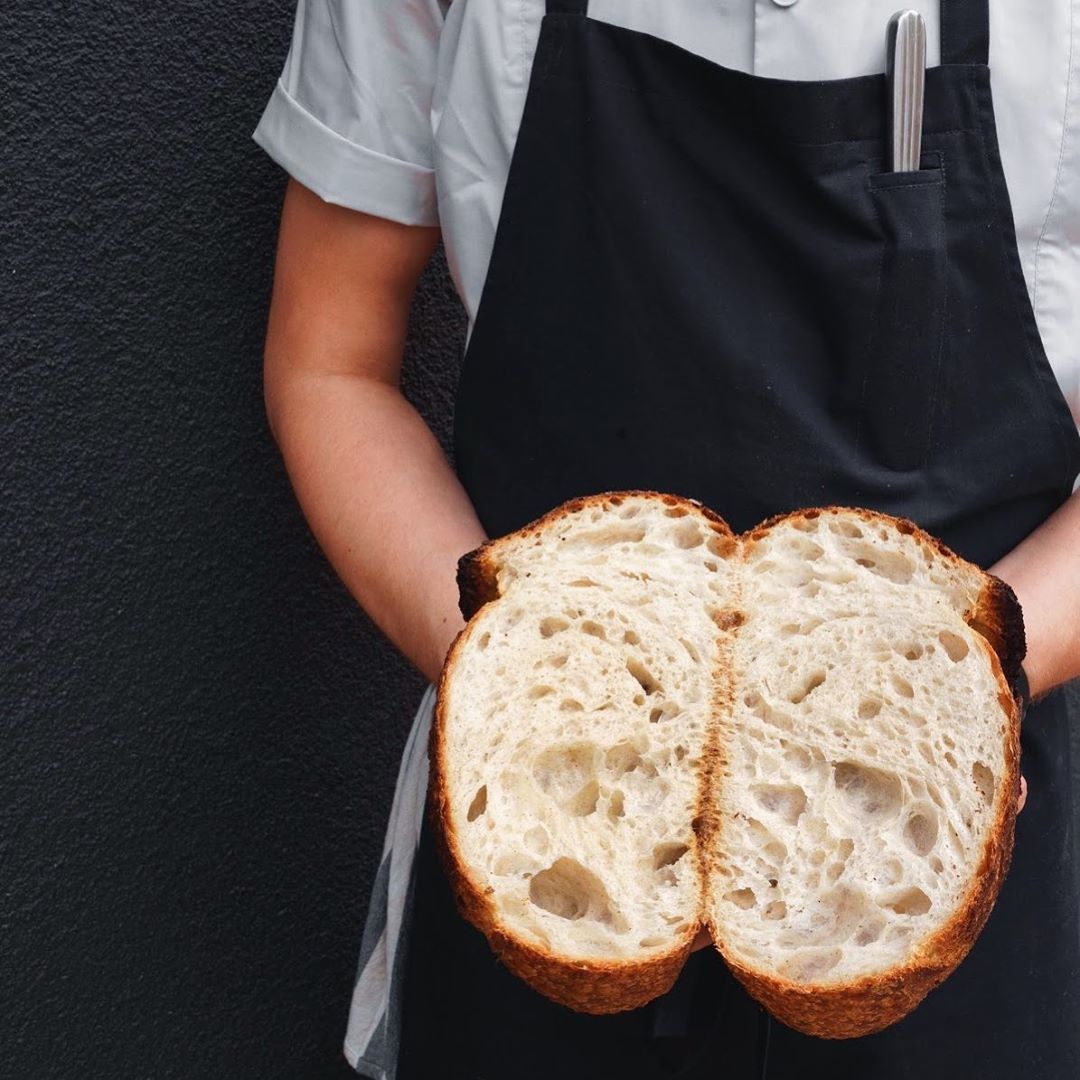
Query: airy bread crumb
[{"x": 802, "y": 738}]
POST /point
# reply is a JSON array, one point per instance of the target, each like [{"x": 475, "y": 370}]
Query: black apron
[{"x": 704, "y": 282}]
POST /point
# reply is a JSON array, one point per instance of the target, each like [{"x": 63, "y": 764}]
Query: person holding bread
[{"x": 688, "y": 265}]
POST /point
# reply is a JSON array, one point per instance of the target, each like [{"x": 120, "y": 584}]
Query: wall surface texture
[{"x": 200, "y": 730}]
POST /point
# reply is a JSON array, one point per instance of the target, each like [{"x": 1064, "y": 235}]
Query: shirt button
[{"x": 783, "y": 3}]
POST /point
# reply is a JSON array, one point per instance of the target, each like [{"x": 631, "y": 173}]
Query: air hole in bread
[
  {"x": 626, "y": 756},
  {"x": 775, "y": 851},
  {"x": 631, "y": 638},
  {"x": 563, "y": 771},
  {"x": 777, "y": 909},
  {"x": 691, "y": 650},
  {"x": 902, "y": 686},
  {"x": 676, "y": 512},
  {"x": 631, "y": 510},
  {"x": 616, "y": 805},
  {"x": 552, "y": 625},
  {"x": 891, "y": 565},
  {"x": 687, "y": 534},
  {"x": 513, "y": 864},
  {"x": 537, "y": 839},
  {"x": 808, "y": 687},
  {"x": 869, "y": 931},
  {"x": 540, "y": 691},
  {"x": 984, "y": 781},
  {"x": 798, "y": 757},
  {"x": 583, "y": 803},
  {"x": 667, "y": 854},
  {"x": 808, "y": 966},
  {"x": 868, "y": 793},
  {"x": 950, "y": 760},
  {"x": 584, "y": 583},
  {"x": 608, "y": 535},
  {"x": 910, "y": 902},
  {"x": 892, "y": 872},
  {"x": 571, "y": 705},
  {"x": 558, "y": 661},
  {"x": 921, "y": 830},
  {"x": 485, "y": 640},
  {"x": 806, "y": 549},
  {"x": 912, "y": 652},
  {"x": 741, "y": 898},
  {"x": 478, "y": 804},
  {"x": 787, "y": 801},
  {"x": 594, "y": 629},
  {"x": 843, "y": 527},
  {"x": 652, "y": 942},
  {"x": 869, "y": 708},
  {"x": 570, "y": 891},
  {"x": 956, "y": 648},
  {"x": 648, "y": 683}
]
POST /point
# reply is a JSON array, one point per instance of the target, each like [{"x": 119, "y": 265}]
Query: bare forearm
[
  {"x": 1044, "y": 571},
  {"x": 383, "y": 503}
]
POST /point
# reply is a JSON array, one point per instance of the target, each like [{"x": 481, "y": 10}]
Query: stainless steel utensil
[{"x": 905, "y": 76}]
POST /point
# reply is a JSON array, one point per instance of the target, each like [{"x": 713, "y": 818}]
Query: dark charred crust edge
[{"x": 846, "y": 1010}]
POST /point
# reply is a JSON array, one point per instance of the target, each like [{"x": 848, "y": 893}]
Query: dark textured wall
[{"x": 200, "y": 729}]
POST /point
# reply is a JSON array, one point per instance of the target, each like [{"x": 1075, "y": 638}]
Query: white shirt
[{"x": 409, "y": 109}]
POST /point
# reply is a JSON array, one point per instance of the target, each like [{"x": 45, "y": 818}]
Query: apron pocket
[{"x": 901, "y": 377}]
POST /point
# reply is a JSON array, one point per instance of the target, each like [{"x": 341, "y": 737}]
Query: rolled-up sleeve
[{"x": 350, "y": 116}]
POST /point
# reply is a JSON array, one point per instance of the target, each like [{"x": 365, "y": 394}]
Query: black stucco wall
[{"x": 200, "y": 729}]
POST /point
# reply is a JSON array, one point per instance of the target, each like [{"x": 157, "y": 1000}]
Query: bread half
[{"x": 802, "y": 738}]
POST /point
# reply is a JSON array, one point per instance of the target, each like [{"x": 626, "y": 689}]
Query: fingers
[{"x": 1023, "y": 794}]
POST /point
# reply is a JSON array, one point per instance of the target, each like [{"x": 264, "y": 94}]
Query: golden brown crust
[{"x": 854, "y": 1008}]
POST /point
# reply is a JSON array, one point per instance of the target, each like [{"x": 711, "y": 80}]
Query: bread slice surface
[{"x": 801, "y": 738}]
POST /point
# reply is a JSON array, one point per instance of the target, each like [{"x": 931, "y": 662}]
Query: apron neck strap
[
  {"x": 965, "y": 32},
  {"x": 965, "y": 27}
]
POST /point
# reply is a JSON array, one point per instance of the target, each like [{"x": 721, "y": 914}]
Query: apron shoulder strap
[
  {"x": 965, "y": 27},
  {"x": 965, "y": 31}
]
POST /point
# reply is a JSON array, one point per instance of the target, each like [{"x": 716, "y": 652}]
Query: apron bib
[{"x": 705, "y": 282}]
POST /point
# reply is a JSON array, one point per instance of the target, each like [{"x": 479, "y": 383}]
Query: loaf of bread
[{"x": 802, "y": 738}]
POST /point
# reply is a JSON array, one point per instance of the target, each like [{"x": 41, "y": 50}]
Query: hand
[{"x": 1023, "y": 794}]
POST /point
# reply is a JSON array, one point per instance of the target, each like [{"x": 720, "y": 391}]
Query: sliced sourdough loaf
[{"x": 802, "y": 738}]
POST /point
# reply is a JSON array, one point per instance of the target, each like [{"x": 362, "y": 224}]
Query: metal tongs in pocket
[{"x": 905, "y": 79}]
